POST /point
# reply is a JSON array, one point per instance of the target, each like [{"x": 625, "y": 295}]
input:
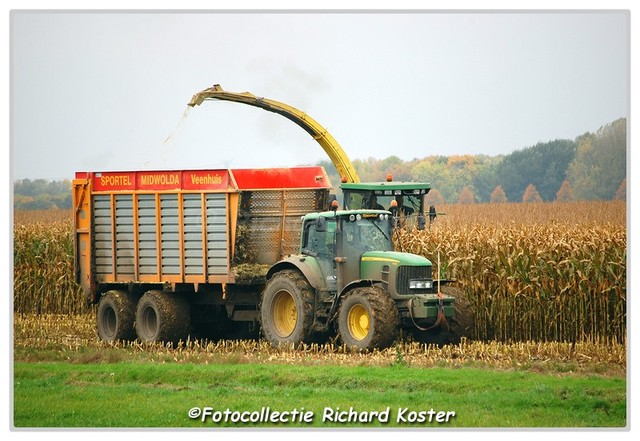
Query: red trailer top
[
  {"x": 274, "y": 178},
  {"x": 207, "y": 180}
]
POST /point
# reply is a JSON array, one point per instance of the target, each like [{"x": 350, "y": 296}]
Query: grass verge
[{"x": 145, "y": 394}]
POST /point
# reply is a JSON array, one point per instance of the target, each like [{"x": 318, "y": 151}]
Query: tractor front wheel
[{"x": 368, "y": 319}]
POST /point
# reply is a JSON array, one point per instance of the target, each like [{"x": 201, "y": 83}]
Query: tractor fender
[
  {"x": 308, "y": 266},
  {"x": 359, "y": 284}
]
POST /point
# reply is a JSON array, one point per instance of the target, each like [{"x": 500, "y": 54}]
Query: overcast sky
[{"x": 109, "y": 91}]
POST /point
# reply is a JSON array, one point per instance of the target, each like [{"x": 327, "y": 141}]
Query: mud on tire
[
  {"x": 162, "y": 316},
  {"x": 115, "y": 316},
  {"x": 287, "y": 308},
  {"x": 368, "y": 319},
  {"x": 460, "y": 325}
]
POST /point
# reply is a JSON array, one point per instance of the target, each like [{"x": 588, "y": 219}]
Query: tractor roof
[
  {"x": 344, "y": 213},
  {"x": 382, "y": 186}
]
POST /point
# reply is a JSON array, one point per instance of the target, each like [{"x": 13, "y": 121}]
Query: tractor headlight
[{"x": 420, "y": 284}]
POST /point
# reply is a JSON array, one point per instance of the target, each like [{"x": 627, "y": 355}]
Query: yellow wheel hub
[
  {"x": 284, "y": 313},
  {"x": 358, "y": 320}
]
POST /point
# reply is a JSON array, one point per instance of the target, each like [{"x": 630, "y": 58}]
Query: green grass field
[{"x": 147, "y": 394}]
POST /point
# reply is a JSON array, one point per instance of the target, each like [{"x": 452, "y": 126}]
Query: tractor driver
[
  {"x": 371, "y": 203},
  {"x": 374, "y": 203}
]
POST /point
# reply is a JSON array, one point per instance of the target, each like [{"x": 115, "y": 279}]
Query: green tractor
[{"x": 348, "y": 279}]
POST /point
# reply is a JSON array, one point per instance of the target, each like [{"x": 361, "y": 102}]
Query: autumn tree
[
  {"x": 394, "y": 166},
  {"x": 485, "y": 178},
  {"x": 565, "y": 193},
  {"x": 498, "y": 195},
  {"x": 531, "y": 194},
  {"x": 543, "y": 165},
  {"x": 434, "y": 197},
  {"x": 447, "y": 174},
  {"x": 41, "y": 194},
  {"x": 600, "y": 163},
  {"x": 466, "y": 196},
  {"x": 621, "y": 193}
]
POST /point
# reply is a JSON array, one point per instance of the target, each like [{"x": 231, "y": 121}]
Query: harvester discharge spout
[{"x": 318, "y": 132}]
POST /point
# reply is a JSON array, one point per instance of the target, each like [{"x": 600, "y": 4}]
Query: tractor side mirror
[
  {"x": 321, "y": 225},
  {"x": 432, "y": 213},
  {"x": 332, "y": 197}
]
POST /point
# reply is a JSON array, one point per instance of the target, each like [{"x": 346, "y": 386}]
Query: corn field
[
  {"x": 532, "y": 272},
  {"x": 544, "y": 272},
  {"x": 43, "y": 262}
]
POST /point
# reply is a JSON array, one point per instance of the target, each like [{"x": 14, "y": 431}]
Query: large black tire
[
  {"x": 463, "y": 321},
  {"x": 116, "y": 316},
  {"x": 368, "y": 319},
  {"x": 162, "y": 317},
  {"x": 460, "y": 325},
  {"x": 287, "y": 309}
]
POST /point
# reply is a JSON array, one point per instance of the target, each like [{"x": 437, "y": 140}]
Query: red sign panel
[
  {"x": 205, "y": 180},
  {"x": 114, "y": 181},
  {"x": 194, "y": 180},
  {"x": 158, "y": 180}
]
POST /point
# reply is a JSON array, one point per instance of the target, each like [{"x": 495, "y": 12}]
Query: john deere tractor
[{"x": 348, "y": 279}]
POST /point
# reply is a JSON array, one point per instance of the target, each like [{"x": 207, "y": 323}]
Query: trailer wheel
[
  {"x": 162, "y": 316},
  {"x": 368, "y": 319},
  {"x": 286, "y": 309},
  {"x": 115, "y": 316}
]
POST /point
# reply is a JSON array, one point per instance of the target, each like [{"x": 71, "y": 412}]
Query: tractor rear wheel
[
  {"x": 115, "y": 316},
  {"x": 286, "y": 309},
  {"x": 162, "y": 316},
  {"x": 368, "y": 319}
]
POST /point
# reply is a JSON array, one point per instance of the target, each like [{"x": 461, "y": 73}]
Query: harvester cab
[{"x": 404, "y": 200}]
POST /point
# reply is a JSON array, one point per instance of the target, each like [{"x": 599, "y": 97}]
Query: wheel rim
[
  {"x": 284, "y": 313},
  {"x": 359, "y": 321},
  {"x": 109, "y": 322},
  {"x": 149, "y": 323}
]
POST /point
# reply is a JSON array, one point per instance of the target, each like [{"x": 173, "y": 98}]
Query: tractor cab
[{"x": 348, "y": 235}]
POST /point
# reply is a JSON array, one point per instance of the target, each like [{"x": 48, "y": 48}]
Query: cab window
[{"x": 319, "y": 239}]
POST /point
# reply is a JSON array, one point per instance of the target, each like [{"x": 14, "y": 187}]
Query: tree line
[
  {"x": 591, "y": 166},
  {"x": 41, "y": 194}
]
